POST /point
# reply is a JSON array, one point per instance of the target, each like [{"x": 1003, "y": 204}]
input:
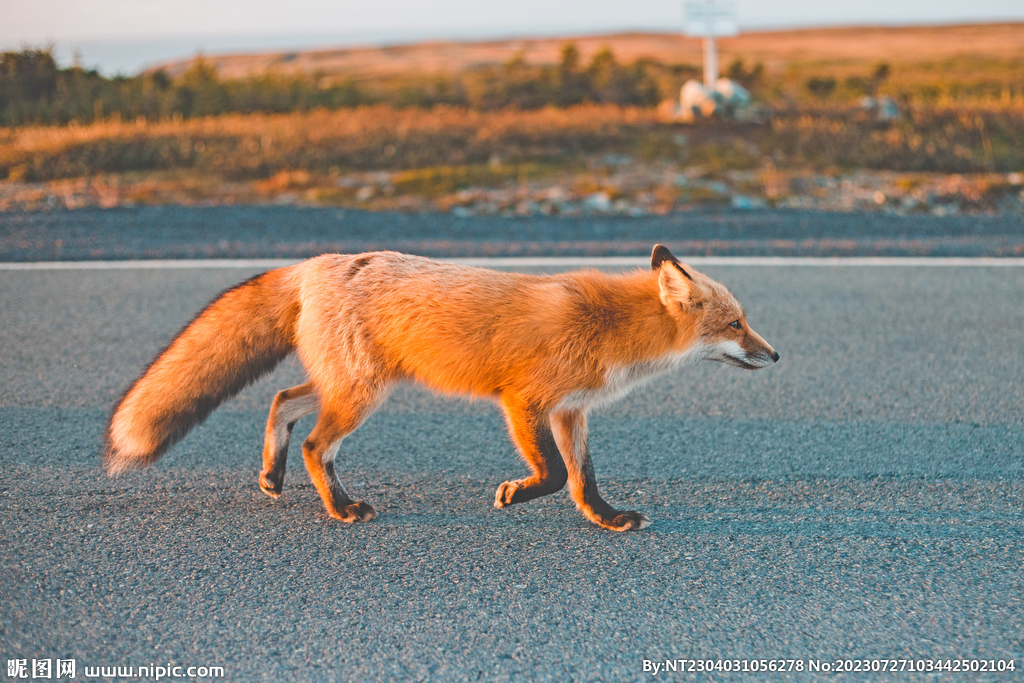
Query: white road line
[
  {"x": 585, "y": 261},
  {"x": 547, "y": 262}
]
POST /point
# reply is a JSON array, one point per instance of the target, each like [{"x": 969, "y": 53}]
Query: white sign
[{"x": 714, "y": 18}]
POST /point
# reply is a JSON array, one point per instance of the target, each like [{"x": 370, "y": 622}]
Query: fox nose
[{"x": 775, "y": 356}]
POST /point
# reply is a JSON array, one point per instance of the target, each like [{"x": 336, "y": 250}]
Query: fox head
[{"x": 712, "y": 312}]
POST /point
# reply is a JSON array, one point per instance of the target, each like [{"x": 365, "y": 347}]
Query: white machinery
[{"x": 710, "y": 19}]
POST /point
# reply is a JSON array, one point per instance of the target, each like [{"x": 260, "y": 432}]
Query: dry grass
[
  {"x": 379, "y": 157},
  {"x": 256, "y": 146},
  {"x": 242, "y": 147},
  {"x": 960, "y": 90}
]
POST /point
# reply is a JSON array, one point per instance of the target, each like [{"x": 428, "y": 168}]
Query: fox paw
[
  {"x": 354, "y": 512},
  {"x": 626, "y": 521},
  {"x": 505, "y": 494},
  {"x": 269, "y": 486}
]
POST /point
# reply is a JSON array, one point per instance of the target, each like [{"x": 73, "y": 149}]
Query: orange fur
[{"x": 546, "y": 347}]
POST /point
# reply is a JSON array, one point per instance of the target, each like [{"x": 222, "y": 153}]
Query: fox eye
[{"x": 735, "y": 324}]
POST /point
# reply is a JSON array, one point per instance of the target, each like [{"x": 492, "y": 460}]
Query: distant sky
[{"x": 122, "y": 36}]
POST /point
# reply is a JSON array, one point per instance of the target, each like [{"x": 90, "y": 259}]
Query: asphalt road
[{"x": 861, "y": 499}]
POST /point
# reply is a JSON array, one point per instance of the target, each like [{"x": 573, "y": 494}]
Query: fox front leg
[
  {"x": 570, "y": 431},
  {"x": 531, "y": 431}
]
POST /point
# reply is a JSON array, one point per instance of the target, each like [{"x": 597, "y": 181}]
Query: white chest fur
[{"x": 620, "y": 381}]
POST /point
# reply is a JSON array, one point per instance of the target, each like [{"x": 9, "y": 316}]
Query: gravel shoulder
[{"x": 288, "y": 232}]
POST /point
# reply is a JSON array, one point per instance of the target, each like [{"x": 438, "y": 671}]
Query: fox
[{"x": 547, "y": 349}]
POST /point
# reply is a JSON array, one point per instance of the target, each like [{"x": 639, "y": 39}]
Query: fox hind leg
[
  {"x": 338, "y": 419},
  {"x": 531, "y": 430},
  {"x": 290, "y": 406},
  {"x": 570, "y": 432}
]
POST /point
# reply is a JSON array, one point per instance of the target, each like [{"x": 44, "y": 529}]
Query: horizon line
[{"x": 367, "y": 40}]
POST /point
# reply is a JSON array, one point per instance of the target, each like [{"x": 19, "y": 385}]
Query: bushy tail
[{"x": 243, "y": 334}]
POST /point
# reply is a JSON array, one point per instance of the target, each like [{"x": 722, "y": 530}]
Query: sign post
[{"x": 710, "y": 19}]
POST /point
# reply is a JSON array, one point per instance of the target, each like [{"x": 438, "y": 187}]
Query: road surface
[{"x": 860, "y": 500}]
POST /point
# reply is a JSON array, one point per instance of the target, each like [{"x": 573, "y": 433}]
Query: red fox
[{"x": 547, "y": 348}]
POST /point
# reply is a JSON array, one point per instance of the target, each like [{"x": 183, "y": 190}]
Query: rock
[
  {"x": 884, "y": 108},
  {"x": 887, "y": 109},
  {"x": 600, "y": 202},
  {"x": 746, "y": 203}
]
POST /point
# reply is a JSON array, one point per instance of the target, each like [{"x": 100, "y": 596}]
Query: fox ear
[
  {"x": 675, "y": 285},
  {"x": 660, "y": 255}
]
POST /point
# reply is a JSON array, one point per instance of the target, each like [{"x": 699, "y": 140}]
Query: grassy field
[
  {"x": 938, "y": 138},
  {"x": 416, "y": 159},
  {"x": 960, "y": 132}
]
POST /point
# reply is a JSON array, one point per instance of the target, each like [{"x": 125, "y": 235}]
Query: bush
[
  {"x": 33, "y": 89},
  {"x": 821, "y": 87}
]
